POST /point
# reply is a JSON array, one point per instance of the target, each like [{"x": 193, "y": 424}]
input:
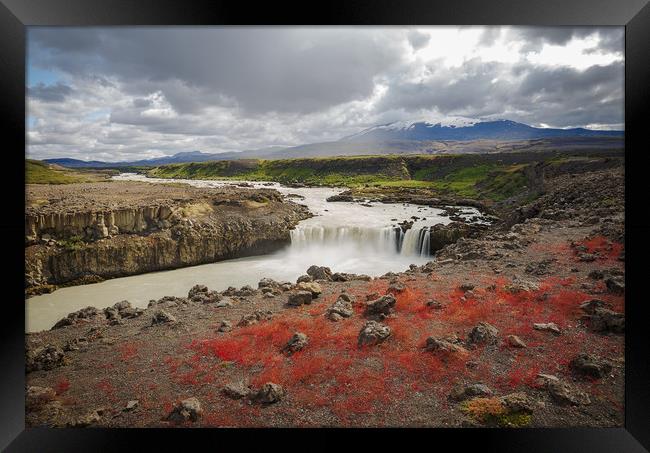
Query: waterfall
[
  {"x": 413, "y": 242},
  {"x": 416, "y": 242}
]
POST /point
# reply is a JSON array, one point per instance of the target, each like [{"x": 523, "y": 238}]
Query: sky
[{"x": 128, "y": 93}]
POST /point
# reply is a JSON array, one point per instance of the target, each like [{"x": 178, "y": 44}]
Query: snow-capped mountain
[{"x": 459, "y": 128}]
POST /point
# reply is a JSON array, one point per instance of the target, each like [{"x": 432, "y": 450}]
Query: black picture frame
[{"x": 15, "y": 15}]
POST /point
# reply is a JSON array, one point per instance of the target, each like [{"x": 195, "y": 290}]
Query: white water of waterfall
[
  {"x": 416, "y": 242},
  {"x": 377, "y": 240},
  {"x": 387, "y": 240}
]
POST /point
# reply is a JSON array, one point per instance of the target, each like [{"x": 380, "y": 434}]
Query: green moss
[
  {"x": 512, "y": 420},
  {"x": 492, "y": 412}
]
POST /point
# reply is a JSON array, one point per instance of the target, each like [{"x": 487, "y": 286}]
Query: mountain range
[{"x": 452, "y": 135}]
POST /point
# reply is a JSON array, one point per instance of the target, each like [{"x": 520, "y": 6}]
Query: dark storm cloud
[
  {"x": 49, "y": 93},
  {"x": 611, "y": 38},
  {"x": 263, "y": 69}
]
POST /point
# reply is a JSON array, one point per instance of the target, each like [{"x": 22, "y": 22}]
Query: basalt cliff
[{"x": 96, "y": 231}]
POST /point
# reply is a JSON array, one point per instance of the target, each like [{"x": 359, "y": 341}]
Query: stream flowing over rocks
[{"x": 136, "y": 225}]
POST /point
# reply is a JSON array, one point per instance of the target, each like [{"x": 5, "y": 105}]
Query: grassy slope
[
  {"x": 446, "y": 174},
  {"x": 485, "y": 176},
  {"x": 37, "y": 172},
  {"x": 41, "y": 173}
]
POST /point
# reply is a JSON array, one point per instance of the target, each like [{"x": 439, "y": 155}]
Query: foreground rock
[
  {"x": 373, "y": 333},
  {"x": 342, "y": 308},
  {"x": 320, "y": 273},
  {"x": 590, "y": 365},
  {"x": 297, "y": 298},
  {"x": 188, "y": 410},
  {"x": 269, "y": 393},
  {"x": 296, "y": 343},
  {"x": 483, "y": 333},
  {"x": 45, "y": 358},
  {"x": 382, "y": 306}
]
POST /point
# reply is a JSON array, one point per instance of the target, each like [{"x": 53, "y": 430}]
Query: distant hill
[{"x": 456, "y": 135}]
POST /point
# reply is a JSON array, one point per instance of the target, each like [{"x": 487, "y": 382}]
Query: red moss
[
  {"x": 602, "y": 247},
  {"x": 106, "y": 387},
  {"x": 61, "y": 386},
  {"x": 128, "y": 351},
  {"x": 332, "y": 372}
]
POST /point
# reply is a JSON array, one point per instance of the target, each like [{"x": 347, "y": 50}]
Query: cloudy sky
[{"x": 124, "y": 93}]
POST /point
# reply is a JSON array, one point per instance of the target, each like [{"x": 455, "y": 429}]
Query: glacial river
[{"x": 347, "y": 237}]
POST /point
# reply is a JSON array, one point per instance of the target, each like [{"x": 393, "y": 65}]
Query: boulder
[
  {"x": 196, "y": 290},
  {"x": 46, "y": 358},
  {"x": 131, "y": 405},
  {"x": 131, "y": 312},
  {"x": 515, "y": 341},
  {"x": 395, "y": 287},
  {"x": 304, "y": 278},
  {"x": 226, "y": 302},
  {"x": 519, "y": 285},
  {"x": 517, "y": 402},
  {"x": 604, "y": 320},
  {"x": 36, "y": 397},
  {"x": 469, "y": 391},
  {"x": 225, "y": 326},
  {"x": 434, "y": 304},
  {"x": 342, "y": 308},
  {"x": 615, "y": 285},
  {"x": 122, "y": 305},
  {"x": 187, "y": 410},
  {"x": 267, "y": 283},
  {"x": 320, "y": 273},
  {"x": 255, "y": 317},
  {"x": 245, "y": 291},
  {"x": 382, "y": 306},
  {"x": 590, "y": 365},
  {"x": 91, "y": 418},
  {"x": 563, "y": 393},
  {"x": 269, "y": 393},
  {"x": 483, "y": 333},
  {"x": 313, "y": 287},
  {"x": 547, "y": 327},
  {"x": 442, "y": 345},
  {"x": 111, "y": 313},
  {"x": 237, "y": 390},
  {"x": 373, "y": 333},
  {"x": 297, "y": 298},
  {"x": 162, "y": 317},
  {"x": 296, "y": 343},
  {"x": 441, "y": 235},
  {"x": 591, "y": 305},
  {"x": 467, "y": 287}
]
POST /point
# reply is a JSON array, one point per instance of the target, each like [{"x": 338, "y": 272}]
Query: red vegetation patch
[
  {"x": 61, "y": 386},
  {"x": 602, "y": 247},
  {"x": 128, "y": 351},
  {"x": 334, "y": 375}
]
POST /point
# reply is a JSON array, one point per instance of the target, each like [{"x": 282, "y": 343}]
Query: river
[{"x": 358, "y": 238}]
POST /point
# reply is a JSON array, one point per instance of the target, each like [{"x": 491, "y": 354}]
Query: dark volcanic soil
[{"x": 450, "y": 358}]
